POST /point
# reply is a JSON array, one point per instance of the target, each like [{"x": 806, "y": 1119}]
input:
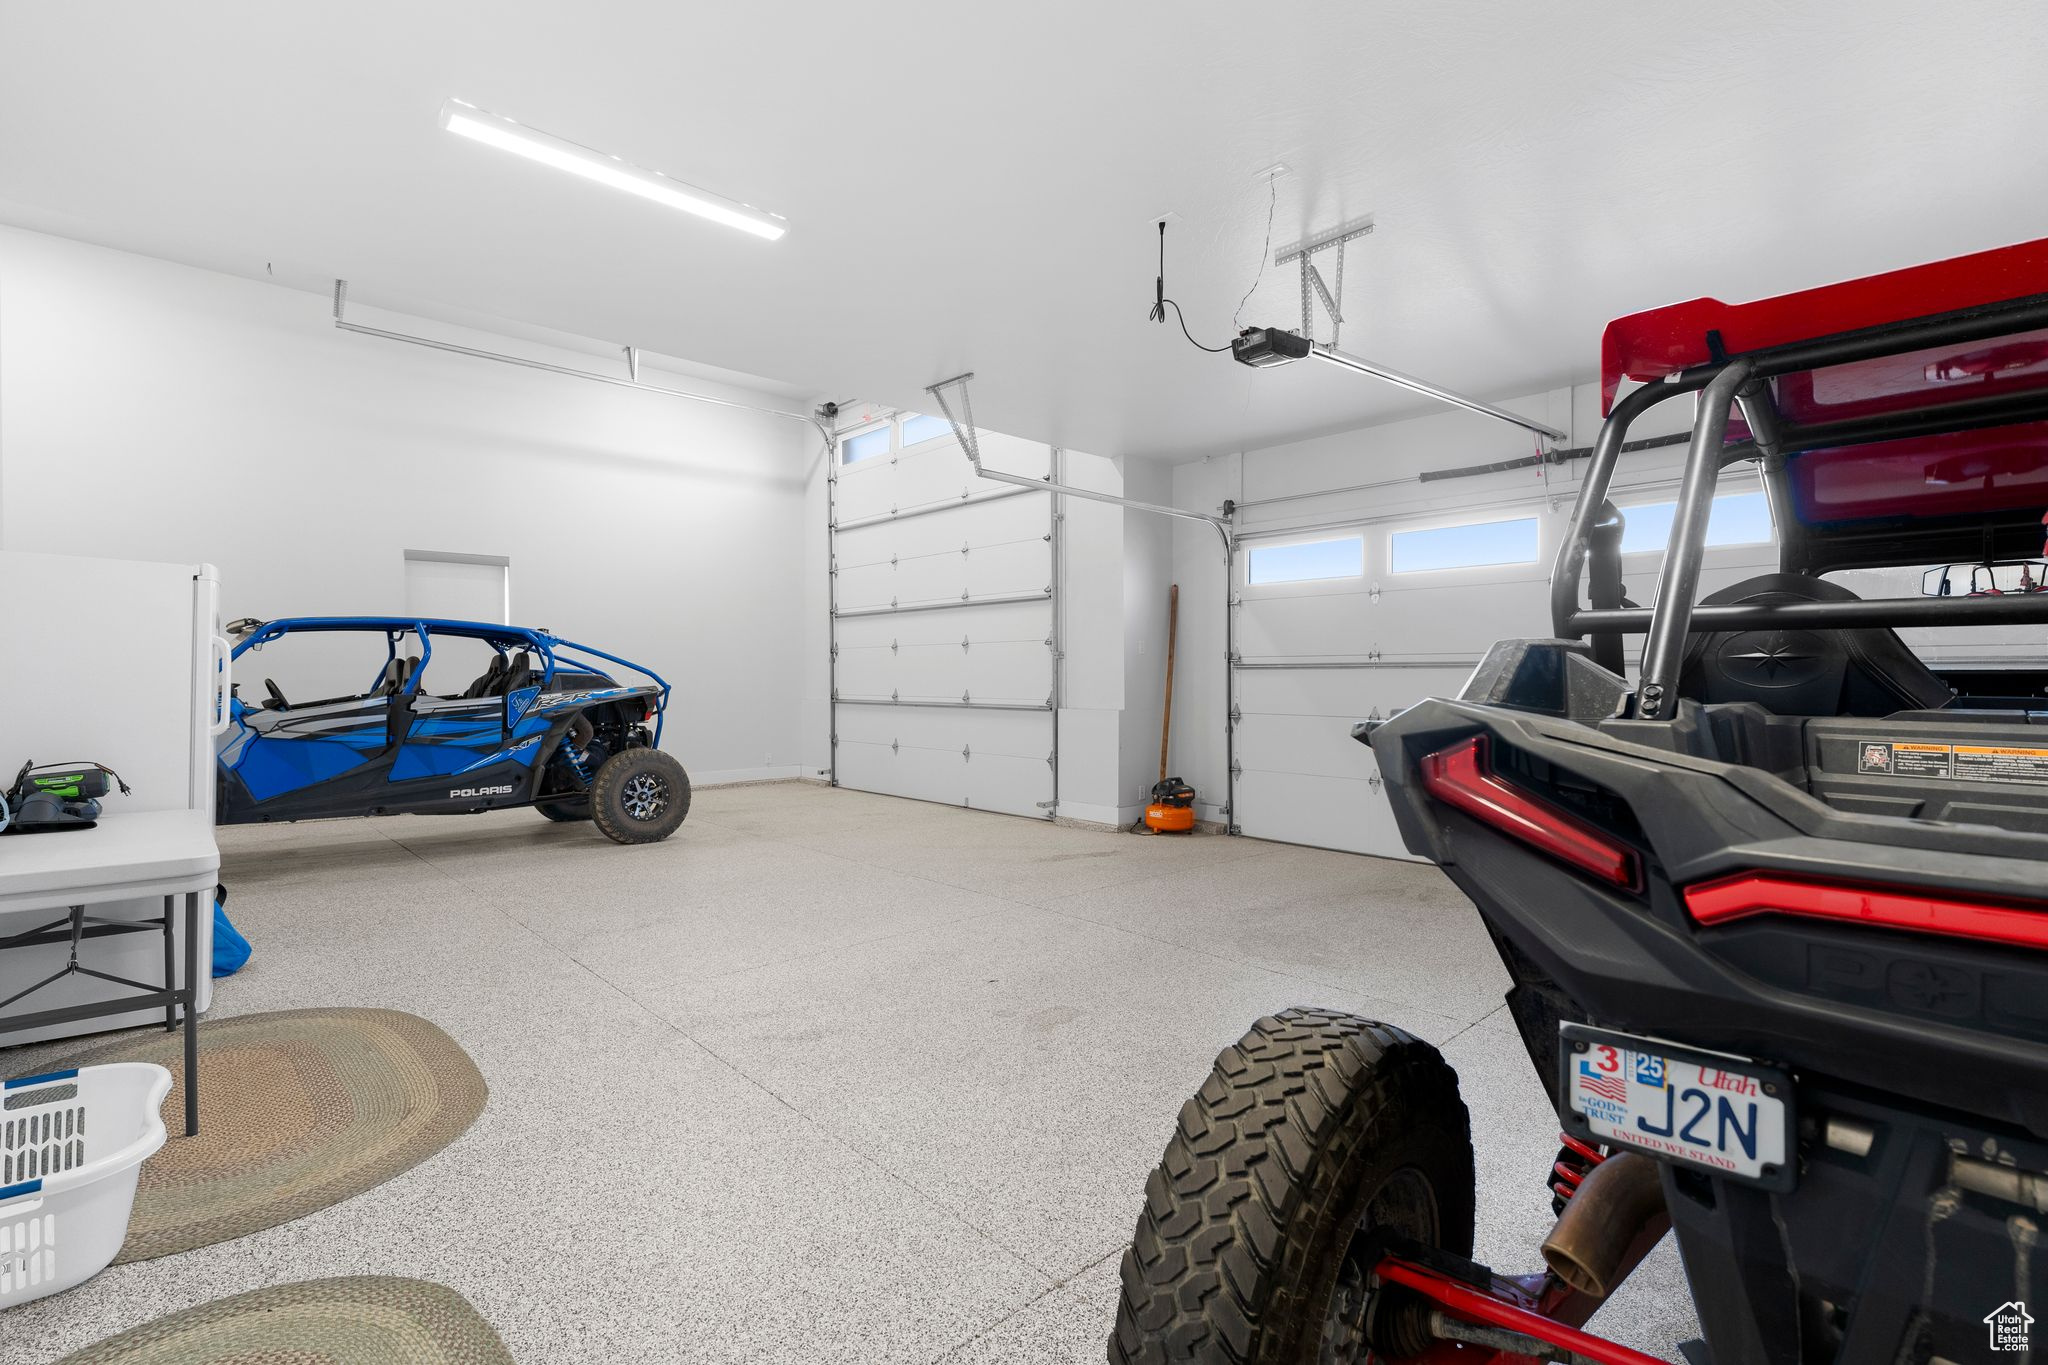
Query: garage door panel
[
  {"x": 939, "y": 471},
  {"x": 932, "y": 473},
  {"x": 921, "y": 654},
  {"x": 990, "y": 543},
  {"x": 1303, "y": 777},
  {"x": 1317, "y": 745},
  {"x": 1462, "y": 622},
  {"x": 864, "y": 490},
  {"x": 1012, "y": 784},
  {"x": 1343, "y": 692},
  {"x": 1024, "y": 518},
  {"x": 993, "y": 621},
  {"x": 1014, "y": 566},
  {"x": 992, "y": 760},
  {"x": 882, "y": 766},
  {"x": 1401, "y": 689},
  {"x": 866, "y": 671},
  {"x": 1015, "y": 733},
  {"x": 967, "y": 524},
  {"x": 932, "y": 476},
  {"x": 866, "y": 585},
  {"x": 937, "y": 578},
  {"x": 993, "y": 571},
  {"x": 1327, "y": 812},
  {"x": 1301, "y": 626},
  {"x": 1007, "y": 671},
  {"x": 1290, "y": 691}
]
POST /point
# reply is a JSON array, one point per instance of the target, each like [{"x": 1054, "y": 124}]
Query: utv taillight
[
  {"x": 1463, "y": 777},
  {"x": 1748, "y": 894}
]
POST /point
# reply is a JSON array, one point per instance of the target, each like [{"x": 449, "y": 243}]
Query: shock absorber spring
[
  {"x": 574, "y": 753},
  {"x": 1575, "y": 1161}
]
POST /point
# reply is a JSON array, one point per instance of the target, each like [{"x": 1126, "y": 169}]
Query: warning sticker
[
  {"x": 2000, "y": 763},
  {"x": 1920, "y": 760},
  {"x": 1963, "y": 762}
]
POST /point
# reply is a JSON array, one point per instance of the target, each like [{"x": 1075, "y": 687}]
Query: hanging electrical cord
[
  {"x": 1160, "y": 303},
  {"x": 1214, "y": 350},
  {"x": 1265, "y": 249}
]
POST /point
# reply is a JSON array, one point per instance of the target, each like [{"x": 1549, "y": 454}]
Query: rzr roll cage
[
  {"x": 555, "y": 653},
  {"x": 1592, "y": 542}
]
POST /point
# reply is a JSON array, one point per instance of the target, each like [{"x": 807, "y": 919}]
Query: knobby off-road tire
[
  {"x": 1315, "y": 1126},
  {"x": 639, "y": 796}
]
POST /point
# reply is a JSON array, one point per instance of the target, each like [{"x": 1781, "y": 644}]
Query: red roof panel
[{"x": 1649, "y": 345}]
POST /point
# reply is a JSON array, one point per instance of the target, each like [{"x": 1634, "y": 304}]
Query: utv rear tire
[
  {"x": 639, "y": 796},
  {"x": 1313, "y": 1128},
  {"x": 568, "y": 812}
]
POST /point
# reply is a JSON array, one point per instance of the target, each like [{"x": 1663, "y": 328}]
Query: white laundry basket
[{"x": 72, "y": 1144}]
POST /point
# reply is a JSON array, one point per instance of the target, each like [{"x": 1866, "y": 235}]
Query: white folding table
[{"x": 125, "y": 857}]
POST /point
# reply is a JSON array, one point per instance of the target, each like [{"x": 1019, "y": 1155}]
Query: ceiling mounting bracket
[{"x": 1312, "y": 285}]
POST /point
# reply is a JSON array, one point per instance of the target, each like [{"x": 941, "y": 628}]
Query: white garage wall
[
  {"x": 155, "y": 411},
  {"x": 1148, "y": 573}
]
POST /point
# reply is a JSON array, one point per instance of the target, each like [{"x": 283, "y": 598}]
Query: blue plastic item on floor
[{"x": 230, "y": 949}]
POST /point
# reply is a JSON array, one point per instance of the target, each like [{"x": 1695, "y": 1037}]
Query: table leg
[
  {"x": 170, "y": 962},
  {"x": 191, "y": 1013}
]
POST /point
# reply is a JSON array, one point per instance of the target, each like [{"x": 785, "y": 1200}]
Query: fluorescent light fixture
[{"x": 496, "y": 131}]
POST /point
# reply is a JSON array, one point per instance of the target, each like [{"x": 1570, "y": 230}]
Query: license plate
[{"x": 1722, "y": 1114}]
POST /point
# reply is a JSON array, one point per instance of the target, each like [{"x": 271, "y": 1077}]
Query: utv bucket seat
[{"x": 1865, "y": 672}]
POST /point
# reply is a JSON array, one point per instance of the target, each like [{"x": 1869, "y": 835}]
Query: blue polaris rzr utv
[{"x": 538, "y": 726}]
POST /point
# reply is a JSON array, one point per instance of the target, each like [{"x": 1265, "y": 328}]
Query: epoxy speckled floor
[{"x": 827, "y": 1076}]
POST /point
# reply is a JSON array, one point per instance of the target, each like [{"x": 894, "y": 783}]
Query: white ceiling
[{"x": 970, "y": 186}]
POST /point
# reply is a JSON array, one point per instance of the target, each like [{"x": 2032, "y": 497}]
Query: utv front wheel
[
  {"x": 640, "y": 796},
  {"x": 1314, "y": 1131}
]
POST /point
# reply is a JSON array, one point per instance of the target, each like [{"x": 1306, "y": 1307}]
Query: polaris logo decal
[{"x": 460, "y": 792}]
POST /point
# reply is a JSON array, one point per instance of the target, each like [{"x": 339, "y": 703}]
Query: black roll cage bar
[{"x": 1592, "y": 541}]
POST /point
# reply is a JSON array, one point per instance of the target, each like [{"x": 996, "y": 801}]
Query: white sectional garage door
[
  {"x": 1353, "y": 639},
  {"x": 943, "y": 622}
]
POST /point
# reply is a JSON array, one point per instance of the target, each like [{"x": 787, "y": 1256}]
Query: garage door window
[
  {"x": 1474, "y": 545},
  {"x": 1307, "y": 561},
  {"x": 1737, "y": 519},
  {"x": 893, "y": 435},
  {"x": 865, "y": 446}
]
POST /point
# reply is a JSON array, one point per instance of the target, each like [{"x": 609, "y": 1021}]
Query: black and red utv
[{"x": 1775, "y": 908}]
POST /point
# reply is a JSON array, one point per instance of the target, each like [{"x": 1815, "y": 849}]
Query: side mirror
[{"x": 1934, "y": 583}]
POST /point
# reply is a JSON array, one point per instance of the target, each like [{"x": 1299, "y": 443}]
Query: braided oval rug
[
  {"x": 298, "y": 1110},
  {"x": 357, "y": 1320}
]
